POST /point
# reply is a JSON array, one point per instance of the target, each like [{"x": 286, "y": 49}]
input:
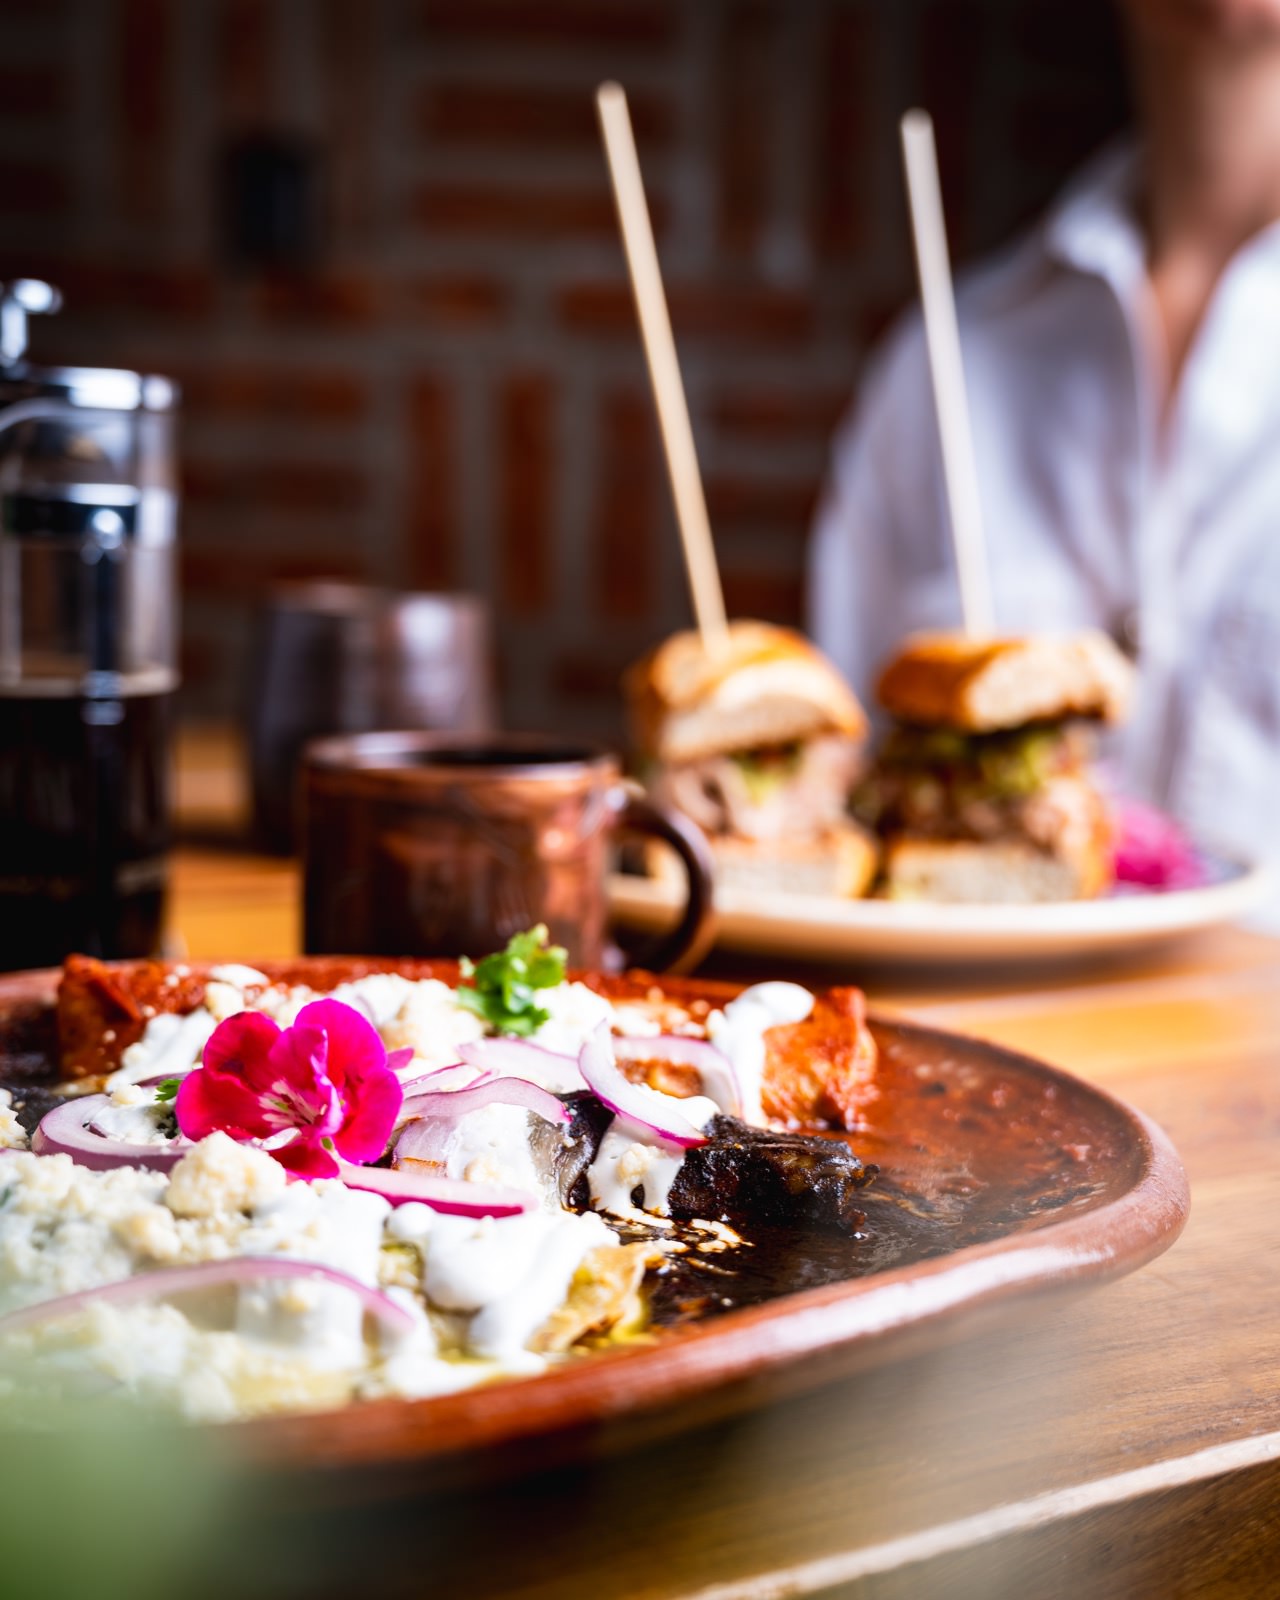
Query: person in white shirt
[{"x": 1123, "y": 371}]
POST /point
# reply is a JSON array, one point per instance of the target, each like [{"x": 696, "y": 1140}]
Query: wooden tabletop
[{"x": 1122, "y": 1442}]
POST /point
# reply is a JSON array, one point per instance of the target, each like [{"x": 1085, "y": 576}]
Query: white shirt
[{"x": 1094, "y": 513}]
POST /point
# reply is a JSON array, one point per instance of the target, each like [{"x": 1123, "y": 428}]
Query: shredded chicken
[
  {"x": 605, "y": 1294},
  {"x": 793, "y": 792}
]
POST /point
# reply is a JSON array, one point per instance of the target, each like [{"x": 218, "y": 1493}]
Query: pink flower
[
  {"x": 1152, "y": 851},
  {"x": 328, "y": 1077}
]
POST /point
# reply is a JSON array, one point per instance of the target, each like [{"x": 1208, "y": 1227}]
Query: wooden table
[{"x": 1123, "y": 1442}]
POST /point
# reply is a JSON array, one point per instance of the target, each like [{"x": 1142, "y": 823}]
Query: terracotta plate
[{"x": 1000, "y": 1178}]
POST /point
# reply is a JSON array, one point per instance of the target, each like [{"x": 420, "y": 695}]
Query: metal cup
[{"x": 420, "y": 844}]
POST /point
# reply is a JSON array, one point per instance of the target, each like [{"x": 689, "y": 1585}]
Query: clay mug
[{"x": 419, "y": 844}]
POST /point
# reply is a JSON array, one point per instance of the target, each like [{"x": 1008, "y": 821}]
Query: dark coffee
[
  {"x": 83, "y": 825},
  {"x": 486, "y": 755}
]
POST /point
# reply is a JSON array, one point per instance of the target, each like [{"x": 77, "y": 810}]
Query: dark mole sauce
[
  {"x": 972, "y": 1145},
  {"x": 28, "y": 1060}
]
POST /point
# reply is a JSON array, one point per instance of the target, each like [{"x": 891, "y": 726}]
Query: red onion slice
[
  {"x": 400, "y": 1058},
  {"x": 432, "y": 1118},
  {"x": 456, "y": 1076},
  {"x": 456, "y": 1198},
  {"x": 65, "y": 1131},
  {"x": 714, "y": 1068},
  {"x": 521, "y": 1058},
  {"x": 423, "y": 1139},
  {"x": 455, "y": 1103},
  {"x": 206, "y": 1275},
  {"x": 634, "y": 1102}
]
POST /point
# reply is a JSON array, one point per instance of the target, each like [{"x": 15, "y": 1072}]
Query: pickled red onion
[
  {"x": 714, "y": 1068},
  {"x": 633, "y": 1102},
  {"x": 454, "y": 1103},
  {"x": 66, "y": 1131},
  {"x": 455, "y": 1197},
  {"x": 521, "y": 1058},
  {"x": 207, "y": 1274}
]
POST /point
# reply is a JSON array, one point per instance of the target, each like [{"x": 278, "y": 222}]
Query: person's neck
[
  {"x": 1211, "y": 173},
  {"x": 1212, "y": 157}
]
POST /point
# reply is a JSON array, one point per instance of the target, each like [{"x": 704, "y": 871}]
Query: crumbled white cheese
[
  {"x": 380, "y": 995},
  {"x": 239, "y": 975},
  {"x": 429, "y": 1021},
  {"x": 477, "y": 1290},
  {"x": 575, "y": 1014},
  {"x": 59, "y": 1226},
  {"x": 154, "y": 1352},
  {"x": 635, "y": 1022},
  {"x": 273, "y": 1344},
  {"x": 220, "y": 1175},
  {"x": 130, "y": 1094},
  {"x": 13, "y": 1136},
  {"x": 224, "y": 998}
]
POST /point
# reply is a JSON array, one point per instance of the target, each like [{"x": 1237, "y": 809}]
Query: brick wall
[{"x": 451, "y": 391}]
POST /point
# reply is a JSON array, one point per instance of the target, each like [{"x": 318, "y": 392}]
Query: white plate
[{"x": 822, "y": 927}]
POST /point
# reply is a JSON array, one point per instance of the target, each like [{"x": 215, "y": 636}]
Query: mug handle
[{"x": 691, "y": 938}]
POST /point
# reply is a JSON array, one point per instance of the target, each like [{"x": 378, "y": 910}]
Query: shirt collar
[{"x": 1094, "y": 227}]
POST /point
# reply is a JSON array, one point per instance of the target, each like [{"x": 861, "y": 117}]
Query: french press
[{"x": 88, "y": 649}]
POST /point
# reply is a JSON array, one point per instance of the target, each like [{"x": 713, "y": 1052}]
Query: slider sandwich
[
  {"x": 983, "y": 790},
  {"x": 759, "y": 744}
]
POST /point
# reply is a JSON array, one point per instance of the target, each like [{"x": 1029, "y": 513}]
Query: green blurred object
[
  {"x": 765, "y": 771},
  {"x": 100, "y": 1498}
]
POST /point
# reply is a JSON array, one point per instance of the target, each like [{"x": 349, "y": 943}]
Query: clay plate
[{"x": 1001, "y": 1178}]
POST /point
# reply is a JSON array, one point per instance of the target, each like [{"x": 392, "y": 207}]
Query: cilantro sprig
[
  {"x": 505, "y": 984},
  {"x": 166, "y": 1094}
]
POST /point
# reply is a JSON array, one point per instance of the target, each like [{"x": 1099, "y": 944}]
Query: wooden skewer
[
  {"x": 943, "y": 337},
  {"x": 664, "y": 367}
]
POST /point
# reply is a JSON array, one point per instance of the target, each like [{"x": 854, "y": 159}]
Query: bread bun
[
  {"x": 841, "y": 861},
  {"x": 1004, "y": 871},
  {"x": 981, "y": 685},
  {"x": 768, "y": 686}
]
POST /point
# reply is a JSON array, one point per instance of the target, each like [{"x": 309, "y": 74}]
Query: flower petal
[
  {"x": 208, "y": 1101},
  {"x": 300, "y": 1093},
  {"x": 372, "y": 1108},
  {"x": 306, "y": 1159},
  {"x": 241, "y": 1045},
  {"x": 354, "y": 1045}
]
